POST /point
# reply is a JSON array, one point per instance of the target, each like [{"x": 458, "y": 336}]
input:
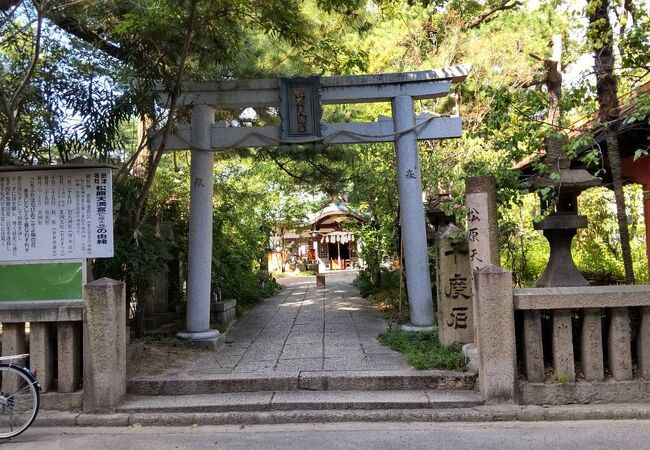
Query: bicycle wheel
[{"x": 19, "y": 401}]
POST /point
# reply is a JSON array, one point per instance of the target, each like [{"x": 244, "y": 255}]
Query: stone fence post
[
  {"x": 496, "y": 328},
  {"x": 104, "y": 345}
]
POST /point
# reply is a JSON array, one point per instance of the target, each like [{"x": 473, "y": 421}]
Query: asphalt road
[{"x": 376, "y": 436}]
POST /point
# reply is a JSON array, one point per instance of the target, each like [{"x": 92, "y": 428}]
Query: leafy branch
[{"x": 11, "y": 105}]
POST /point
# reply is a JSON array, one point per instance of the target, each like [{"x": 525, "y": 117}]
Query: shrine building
[{"x": 328, "y": 242}]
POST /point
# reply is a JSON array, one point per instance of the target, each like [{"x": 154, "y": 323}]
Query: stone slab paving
[{"x": 304, "y": 329}]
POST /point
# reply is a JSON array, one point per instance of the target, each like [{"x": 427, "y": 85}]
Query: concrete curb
[{"x": 495, "y": 413}]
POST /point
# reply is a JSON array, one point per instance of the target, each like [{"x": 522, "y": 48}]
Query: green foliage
[
  {"x": 423, "y": 350},
  {"x": 596, "y": 249},
  {"x": 524, "y": 250},
  {"x": 74, "y": 100},
  {"x": 307, "y": 273},
  {"x": 137, "y": 257},
  {"x": 235, "y": 258},
  {"x": 375, "y": 279},
  {"x": 242, "y": 216},
  {"x": 639, "y": 116},
  {"x": 392, "y": 305},
  {"x": 561, "y": 378},
  {"x": 100, "y": 61}
]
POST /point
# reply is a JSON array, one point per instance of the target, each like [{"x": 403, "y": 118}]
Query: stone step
[
  {"x": 301, "y": 401},
  {"x": 293, "y": 381},
  {"x": 483, "y": 413}
]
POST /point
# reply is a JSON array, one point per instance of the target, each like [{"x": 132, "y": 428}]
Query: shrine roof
[{"x": 333, "y": 209}]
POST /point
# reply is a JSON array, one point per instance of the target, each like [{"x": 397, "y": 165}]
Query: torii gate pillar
[
  {"x": 199, "y": 265},
  {"x": 409, "y": 186}
]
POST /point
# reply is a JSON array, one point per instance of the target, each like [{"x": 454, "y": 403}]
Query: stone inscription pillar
[
  {"x": 482, "y": 231},
  {"x": 199, "y": 267},
  {"x": 69, "y": 349},
  {"x": 409, "y": 186},
  {"x": 455, "y": 309}
]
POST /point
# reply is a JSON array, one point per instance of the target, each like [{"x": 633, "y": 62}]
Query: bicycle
[{"x": 19, "y": 396}]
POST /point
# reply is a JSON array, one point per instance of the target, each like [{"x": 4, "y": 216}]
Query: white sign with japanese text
[{"x": 56, "y": 214}]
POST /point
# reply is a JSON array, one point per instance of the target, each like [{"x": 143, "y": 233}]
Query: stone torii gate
[{"x": 302, "y": 101}]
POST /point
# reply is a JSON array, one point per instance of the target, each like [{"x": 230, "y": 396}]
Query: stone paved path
[{"x": 303, "y": 328}]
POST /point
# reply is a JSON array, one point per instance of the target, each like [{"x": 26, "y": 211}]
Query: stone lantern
[{"x": 561, "y": 226}]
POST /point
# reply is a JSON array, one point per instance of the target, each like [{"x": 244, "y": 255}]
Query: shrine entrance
[
  {"x": 299, "y": 102},
  {"x": 339, "y": 255}
]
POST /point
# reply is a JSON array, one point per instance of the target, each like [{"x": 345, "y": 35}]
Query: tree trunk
[
  {"x": 602, "y": 35},
  {"x": 554, "y": 80},
  {"x": 621, "y": 215},
  {"x": 144, "y": 157}
]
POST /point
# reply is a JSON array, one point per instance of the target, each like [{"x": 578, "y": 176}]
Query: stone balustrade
[
  {"x": 53, "y": 337},
  {"x": 598, "y": 308},
  {"x": 529, "y": 351},
  {"x": 73, "y": 343},
  {"x": 603, "y": 341}
]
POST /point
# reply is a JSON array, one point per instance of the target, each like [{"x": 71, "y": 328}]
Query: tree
[
  {"x": 60, "y": 98},
  {"x": 21, "y": 41},
  {"x": 166, "y": 42},
  {"x": 601, "y": 36}
]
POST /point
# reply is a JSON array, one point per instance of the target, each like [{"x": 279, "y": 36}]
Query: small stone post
[
  {"x": 591, "y": 343},
  {"x": 414, "y": 238},
  {"x": 496, "y": 327},
  {"x": 69, "y": 355},
  {"x": 455, "y": 308},
  {"x": 104, "y": 349},
  {"x": 13, "y": 338},
  {"x": 41, "y": 352},
  {"x": 13, "y": 343},
  {"x": 533, "y": 349},
  {"x": 620, "y": 352},
  {"x": 563, "y": 364},
  {"x": 643, "y": 343}
]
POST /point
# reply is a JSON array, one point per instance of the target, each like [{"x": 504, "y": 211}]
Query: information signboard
[
  {"x": 40, "y": 281},
  {"x": 56, "y": 214}
]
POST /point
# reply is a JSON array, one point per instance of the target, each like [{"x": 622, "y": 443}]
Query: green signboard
[{"x": 41, "y": 281}]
